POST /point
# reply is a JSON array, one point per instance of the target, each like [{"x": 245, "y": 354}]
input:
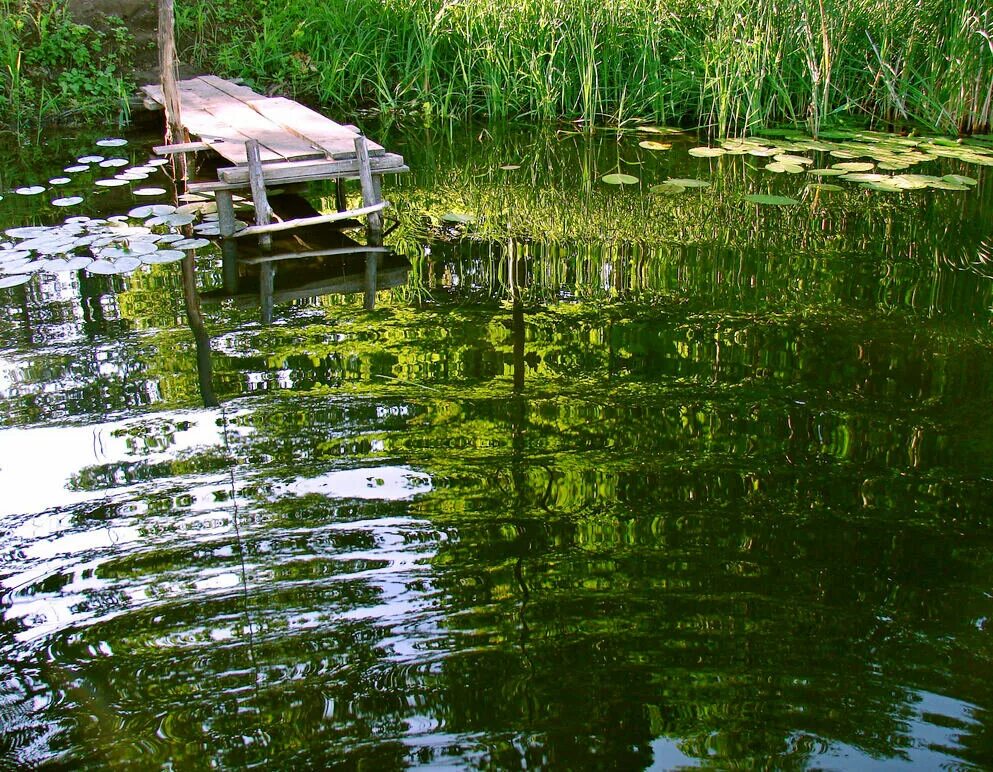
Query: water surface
[{"x": 599, "y": 479}]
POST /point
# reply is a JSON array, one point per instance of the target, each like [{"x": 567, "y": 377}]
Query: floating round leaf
[
  {"x": 946, "y": 185},
  {"x": 14, "y": 281},
  {"x": 69, "y": 201},
  {"x": 157, "y": 162},
  {"x": 174, "y": 220},
  {"x": 111, "y": 183},
  {"x": 826, "y": 172},
  {"x": 127, "y": 264},
  {"x": 59, "y": 181},
  {"x": 619, "y": 179},
  {"x": 169, "y": 238},
  {"x": 707, "y": 152},
  {"x": 150, "y": 192},
  {"x": 90, "y": 159},
  {"x": 960, "y": 179},
  {"x": 113, "y": 163},
  {"x": 163, "y": 256},
  {"x": 33, "y": 190},
  {"x": 795, "y": 160},
  {"x": 75, "y": 169},
  {"x": 651, "y": 144},
  {"x": 687, "y": 183},
  {"x": 14, "y": 266},
  {"x": 190, "y": 244},
  {"x": 768, "y": 200},
  {"x": 658, "y": 130},
  {"x": 193, "y": 197},
  {"x": 111, "y": 142},
  {"x": 764, "y": 152},
  {"x": 667, "y": 189},
  {"x": 904, "y": 182},
  {"x": 843, "y": 154},
  {"x": 75, "y": 263},
  {"x": 825, "y": 187},
  {"x": 27, "y": 232},
  {"x": 102, "y": 267},
  {"x": 13, "y": 254},
  {"x": 151, "y": 210},
  {"x": 857, "y": 177},
  {"x": 883, "y": 187},
  {"x": 778, "y": 167},
  {"x": 130, "y": 177},
  {"x": 855, "y": 166},
  {"x": 199, "y": 207}
]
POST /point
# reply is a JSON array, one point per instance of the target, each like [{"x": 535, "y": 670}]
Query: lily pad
[
  {"x": 111, "y": 183},
  {"x": 113, "y": 163},
  {"x": 796, "y": 160},
  {"x": 667, "y": 189},
  {"x": 883, "y": 187},
  {"x": 778, "y": 167},
  {"x": 687, "y": 183},
  {"x": 157, "y": 162},
  {"x": 190, "y": 244},
  {"x": 75, "y": 263},
  {"x": 960, "y": 179},
  {"x": 15, "y": 280},
  {"x": 163, "y": 256},
  {"x": 150, "y": 192},
  {"x": 32, "y": 190},
  {"x": 69, "y": 201},
  {"x": 707, "y": 152},
  {"x": 90, "y": 159},
  {"x": 111, "y": 142},
  {"x": 825, "y": 187},
  {"x": 651, "y": 144},
  {"x": 826, "y": 172},
  {"x": 854, "y": 166},
  {"x": 768, "y": 200},
  {"x": 946, "y": 185},
  {"x": 59, "y": 181},
  {"x": 869, "y": 177},
  {"x": 619, "y": 179},
  {"x": 151, "y": 210}
]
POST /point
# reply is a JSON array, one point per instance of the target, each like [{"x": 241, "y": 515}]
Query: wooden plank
[
  {"x": 261, "y": 228},
  {"x": 299, "y": 176},
  {"x": 226, "y": 219},
  {"x": 212, "y": 122},
  {"x": 245, "y": 120},
  {"x": 319, "y": 130},
  {"x": 358, "y": 249},
  {"x": 181, "y": 147},
  {"x": 314, "y": 170}
]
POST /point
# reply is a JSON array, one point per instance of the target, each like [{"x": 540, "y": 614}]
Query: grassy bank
[
  {"x": 55, "y": 70},
  {"x": 725, "y": 64}
]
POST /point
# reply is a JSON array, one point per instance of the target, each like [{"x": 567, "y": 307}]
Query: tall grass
[{"x": 728, "y": 65}]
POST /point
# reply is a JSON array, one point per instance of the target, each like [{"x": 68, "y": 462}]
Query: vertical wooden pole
[
  {"x": 368, "y": 186},
  {"x": 263, "y": 214},
  {"x": 339, "y": 194},
  {"x": 175, "y": 133},
  {"x": 225, "y": 213}
]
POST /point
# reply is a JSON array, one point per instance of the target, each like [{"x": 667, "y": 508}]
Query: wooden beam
[
  {"x": 358, "y": 249},
  {"x": 303, "y": 171},
  {"x": 182, "y": 147},
  {"x": 303, "y": 222}
]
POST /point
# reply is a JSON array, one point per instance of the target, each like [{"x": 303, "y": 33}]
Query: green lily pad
[
  {"x": 825, "y": 187},
  {"x": 779, "y": 167},
  {"x": 826, "y": 172},
  {"x": 883, "y": 187},
  {"x": 767, "y": 200},
  {"x": 665, "y": 189},
  {"x": 619, "y": 179},
  {"x": 795, "y": 160},
  {"x": 946, "y": 185},
  {"x": 960, "y": 179},
  {"x": 687, "y": 183},
  {"x": 13, "y": 281},
  {"x": 868, "y": 177},
  {"x": 707, "y": 152},
  {"x": 650, "y": 144},
  {"x": 855, "y": 166}
]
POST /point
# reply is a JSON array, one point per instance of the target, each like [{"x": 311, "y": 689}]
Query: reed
[{"x": 729, "y": 66}]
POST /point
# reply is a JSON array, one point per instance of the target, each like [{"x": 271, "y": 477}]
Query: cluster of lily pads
[
  {"x": 873, "y": 161},
  {"x": 147, "y": 235}
]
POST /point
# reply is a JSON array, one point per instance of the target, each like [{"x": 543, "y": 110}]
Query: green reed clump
[
  {"x": 728, "y": 65},
  {"x": 54, "y": 70}
]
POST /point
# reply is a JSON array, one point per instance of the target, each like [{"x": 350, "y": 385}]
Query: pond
[{"x": 577, "y": 475}]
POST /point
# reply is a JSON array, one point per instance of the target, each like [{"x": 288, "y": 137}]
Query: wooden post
[
  {"x": 263, "y": 214},
  {"x": 225, "y": 213},
  {"x": 339, "y": 194},
  {"x": 175, "y": 133},
  {"x": 369, "y": 196}
]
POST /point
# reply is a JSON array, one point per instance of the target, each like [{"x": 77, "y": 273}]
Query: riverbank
[{"x": 730, "y": 67}]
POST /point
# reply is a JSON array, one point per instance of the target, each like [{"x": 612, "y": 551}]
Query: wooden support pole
[
  {"x": 225, "y": 213},
  {"x": 263, "y": 214},
  {"x": 339, "y": 195},
  {"x": 175, "y": 133},
  {"x": 369, "y": 197}
]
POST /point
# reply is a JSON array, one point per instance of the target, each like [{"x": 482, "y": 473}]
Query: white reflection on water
[{"x": 386, "y": 483}]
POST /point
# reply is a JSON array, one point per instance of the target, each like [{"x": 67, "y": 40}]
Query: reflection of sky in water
[{"x": 386, "y": 483}]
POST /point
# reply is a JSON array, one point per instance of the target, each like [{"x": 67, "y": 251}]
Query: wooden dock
[{"x": 274, "y": 141}]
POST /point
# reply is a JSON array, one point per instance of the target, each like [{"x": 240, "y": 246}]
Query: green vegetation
[
  {"x": 52, "y": 69},
  {"x": 728, "y": 65}
]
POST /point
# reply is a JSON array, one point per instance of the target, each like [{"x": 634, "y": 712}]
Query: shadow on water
[{"x": 569, "y": 477}]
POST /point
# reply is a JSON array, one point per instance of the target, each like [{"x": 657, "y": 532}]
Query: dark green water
[{"x": 607, "y": 480}]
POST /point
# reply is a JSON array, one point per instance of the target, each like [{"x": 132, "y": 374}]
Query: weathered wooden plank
[
  {"x": 319, "y": 130},
  {"x": 305, "y": 171},
  {"x": 237, "y": 114},
  {"x": 181, "y": 147},
  {"x": 226, "y": 129},
  {"x": 303, "y": 222},
  {"x": 358, "y": 249}
]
